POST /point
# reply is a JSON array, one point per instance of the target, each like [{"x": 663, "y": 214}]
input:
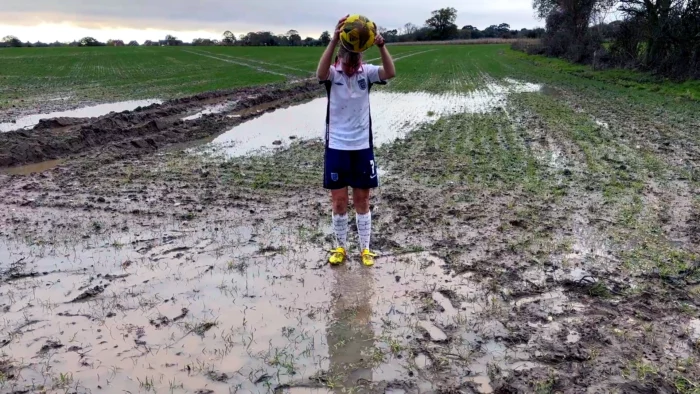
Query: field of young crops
[
  {"x": 107, "y": 73},
  {"x": 31, "y": 75}
]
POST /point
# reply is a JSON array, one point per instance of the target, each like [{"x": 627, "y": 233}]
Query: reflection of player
[
  {"x": 349, "y": 156},
  {"x": 349, "y": 334}
]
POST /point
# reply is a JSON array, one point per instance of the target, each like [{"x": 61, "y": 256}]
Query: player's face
[{"x": 350, "y": 65}]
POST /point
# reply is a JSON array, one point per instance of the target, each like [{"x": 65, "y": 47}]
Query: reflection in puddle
[
  {"x": 85, "y": 112},
  {"x": 349, "y": 335},
  {"x": 32, "y": 168},
  {"x": 393, "y": 116},
  {"x": 225, "y": 309},
  {"x": 303, "y": 121}
]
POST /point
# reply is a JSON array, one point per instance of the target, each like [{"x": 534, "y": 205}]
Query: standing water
[
  {"x": 393, "y": 116},
  {"x": 85, "y": 112},
  {"x": 213, "y": 109}
]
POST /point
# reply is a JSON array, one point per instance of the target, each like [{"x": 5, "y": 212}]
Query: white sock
[
  {"x": 364, "y": 229},
  {"x": 340, "y": 227}
]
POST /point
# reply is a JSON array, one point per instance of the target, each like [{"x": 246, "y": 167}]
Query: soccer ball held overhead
[{"x": 358, "y": 33}]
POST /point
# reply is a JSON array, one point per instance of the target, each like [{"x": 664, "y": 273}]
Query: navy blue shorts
[{"x": 354, "y": 168}]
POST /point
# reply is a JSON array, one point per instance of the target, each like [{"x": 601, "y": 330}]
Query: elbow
[{"x": 390, "y": 74}]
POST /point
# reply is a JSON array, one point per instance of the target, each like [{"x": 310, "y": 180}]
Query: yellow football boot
[
  {"x": 368, "y": 258},
  {"x": 337, "y": 256}
]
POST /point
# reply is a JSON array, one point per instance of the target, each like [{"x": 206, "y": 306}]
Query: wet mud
[
  {"x": 515, "y": 256},
  {"x": 394, "y": 116},
  {"x": 29, "y": 121},
  {"x": 145, "y": 129}
]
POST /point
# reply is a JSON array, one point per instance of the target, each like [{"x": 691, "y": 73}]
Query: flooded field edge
[
  {"x": 29, "y": 121},
  {"x": 228, "y": 119},
  {"x": 146, "y": 130}
]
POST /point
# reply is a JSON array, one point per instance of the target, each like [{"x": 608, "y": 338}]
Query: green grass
[
  {"x": 615, "y": 78},
  {"x": 112, "y": 73},
  {"x": 117, "y": 73},
  {"x": 482, "y": 150},
  {"x": 109, "y": 73}
]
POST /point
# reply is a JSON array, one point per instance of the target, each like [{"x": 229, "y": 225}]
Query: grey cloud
[{"x": 307, "y": 16}]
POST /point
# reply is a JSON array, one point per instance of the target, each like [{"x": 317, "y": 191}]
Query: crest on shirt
[{"x": 362, "y": 83}]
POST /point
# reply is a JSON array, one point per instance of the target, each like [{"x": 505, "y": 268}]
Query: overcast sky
[{"x": 65, "y": 20}]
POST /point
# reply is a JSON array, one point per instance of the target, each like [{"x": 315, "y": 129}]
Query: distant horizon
[
  {"x": 130, "y": 20},
  {"x": 30, "y": 34}
]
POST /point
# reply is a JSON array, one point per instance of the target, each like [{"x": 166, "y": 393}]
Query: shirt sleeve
[
  {"x": 331, "y": 74},
  {"x": 372, "y": 73}
]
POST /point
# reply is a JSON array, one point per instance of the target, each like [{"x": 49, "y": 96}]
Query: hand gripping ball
[{"x": 358, "y": 33}]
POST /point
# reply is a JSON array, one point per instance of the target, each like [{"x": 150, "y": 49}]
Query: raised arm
[
  {"x": 325, "y": 63},
  {"x": 387, "y": 70}
]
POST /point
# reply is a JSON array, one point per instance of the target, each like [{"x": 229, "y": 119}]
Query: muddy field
[
  {"x": 145, "y": 128},
  {"x": 534, "y": 237}
]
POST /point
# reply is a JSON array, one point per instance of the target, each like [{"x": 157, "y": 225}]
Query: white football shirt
[{"x": 348, "y": 118}]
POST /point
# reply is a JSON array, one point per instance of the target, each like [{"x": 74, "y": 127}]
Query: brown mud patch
[
  {"x": 212, "y": 303},
  {"x": 146, "y": 129},
  {"x": 30, "y": 121}
]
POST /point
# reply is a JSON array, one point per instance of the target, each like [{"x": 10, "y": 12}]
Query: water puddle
[
  {"x": 514, "y": 86},
  {"x": 555, "y": 160},
  {"x": 393, "y": 116},
  {"x": 587, "y": 244},
  {"x": 445, "y": 304},
  {"x": 248, "y": 307},
  {"x": 30, "y": 121},
  {"x": 304, "y": 390},
  {"x": 552, "y": 91},
  {"x": 694, "y": 328},
  {"x": 602, "y": 124},
  {"x": 551, "y": 303},
  {"x": 62, "y": 98},
  {"x": 435, "y": 333},
  {"x": 32, "y": 168},
  {"x": 422, "y": 361},
  {"x": 214, "y": 109},
  {"x": 483, "y": 384},
  {"x": 573, "y": 337}
]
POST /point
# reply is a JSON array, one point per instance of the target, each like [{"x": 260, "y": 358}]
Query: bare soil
[
  {"x": 511, "y": 260},
  {"x": 117, "y": 135}
]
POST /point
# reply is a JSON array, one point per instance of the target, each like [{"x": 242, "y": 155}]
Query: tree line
[
  {"x": 12, "y": 41},
  {"x": 440, "y": 26},
  {"x": 660, "y": 36}
]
